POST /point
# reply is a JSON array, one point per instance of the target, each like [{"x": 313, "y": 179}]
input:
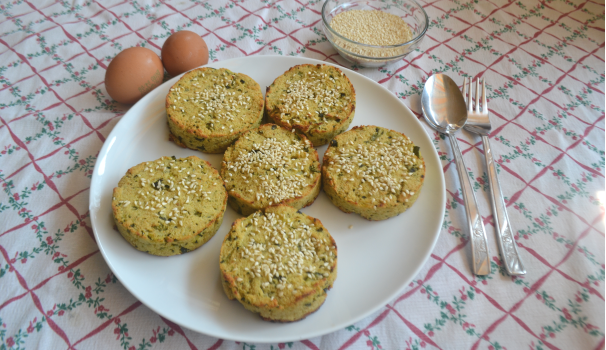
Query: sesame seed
[{"x": 372, "y": 28}]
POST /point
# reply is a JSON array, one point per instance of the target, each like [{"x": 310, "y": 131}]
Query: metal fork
[{"x": 478, "y": 122}]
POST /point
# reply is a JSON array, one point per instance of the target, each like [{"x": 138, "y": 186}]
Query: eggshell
[
  {"x": 184, "y": 51},
  {"x": 133, "y": 73}
]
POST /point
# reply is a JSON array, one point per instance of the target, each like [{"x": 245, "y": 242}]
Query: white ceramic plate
[{"x": 376, "y": 259}]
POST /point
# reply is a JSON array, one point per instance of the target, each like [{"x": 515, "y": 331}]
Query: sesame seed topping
[
  {"x": 312, "y": 98},
  {"x": 153, "y": 194},
  {"x": 211, "y": 102},
  {"x": 281, "y": 250},
  {"x": 283, "y": 169},
  {"x": 377, "y": 169}
]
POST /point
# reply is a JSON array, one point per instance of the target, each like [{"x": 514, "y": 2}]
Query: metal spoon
[{"x": 444, "y": 109}]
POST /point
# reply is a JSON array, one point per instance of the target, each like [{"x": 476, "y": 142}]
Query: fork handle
[
  {"x": 477, "y": 233},
  {"x": 504, "y": 231}
]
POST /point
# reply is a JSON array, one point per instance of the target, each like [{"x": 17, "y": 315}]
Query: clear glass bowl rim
[{"x": 413, "y": 40}]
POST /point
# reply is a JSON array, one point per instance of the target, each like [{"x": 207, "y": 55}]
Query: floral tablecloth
[{"x": 544, "y": 65}]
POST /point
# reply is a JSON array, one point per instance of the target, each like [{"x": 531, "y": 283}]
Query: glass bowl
[{"x": 375, "y": 55}]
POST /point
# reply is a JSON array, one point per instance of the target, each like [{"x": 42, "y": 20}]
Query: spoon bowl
[{"x": 443, "y": 104}]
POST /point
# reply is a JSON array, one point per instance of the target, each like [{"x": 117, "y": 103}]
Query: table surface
[{"x": 544, "y": 67}]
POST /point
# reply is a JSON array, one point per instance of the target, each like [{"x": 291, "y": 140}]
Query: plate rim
[{"x": 95, "y": 183}]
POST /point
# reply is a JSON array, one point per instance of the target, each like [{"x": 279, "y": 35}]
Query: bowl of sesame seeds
[{"x": 374, "y": 33}]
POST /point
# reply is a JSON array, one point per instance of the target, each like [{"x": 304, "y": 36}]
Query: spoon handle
[
  {"x": 479, "y": 243},
  {"x": 507, "y": 244}
]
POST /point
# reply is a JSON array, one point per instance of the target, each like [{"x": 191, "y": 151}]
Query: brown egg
[
  {"x": 184, "y": 51},
  {"x": 133, "y": 73}
]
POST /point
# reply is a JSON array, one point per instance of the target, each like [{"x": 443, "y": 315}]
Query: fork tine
[
  {"x": 464, "y": 89},
  {"x": 477, "y": 95},
  {"x": 484, "y": 105},
  {"x": 469, "y": 98}
]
